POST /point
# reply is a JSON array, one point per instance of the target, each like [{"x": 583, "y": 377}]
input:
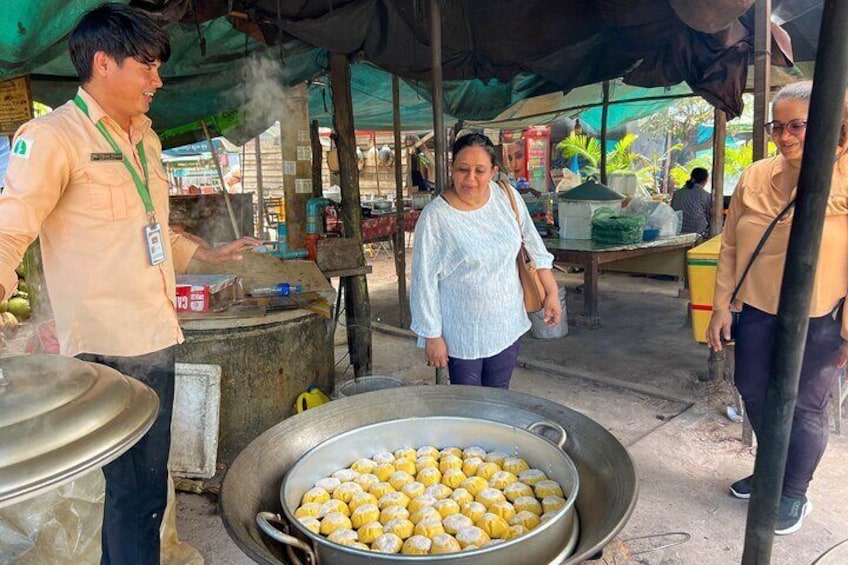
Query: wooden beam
[
  {"x": 399, "y": 243},
  {"x": 438, "y": 94},
  {"x": 762, "y": 74},
  {"x": 260, "y": 189},
  {"x": 719, "y": 136},
  {"x": 317, "y": 160},
  {"x": 605, "y": 88},
  {"x": 357, "y": 304}
]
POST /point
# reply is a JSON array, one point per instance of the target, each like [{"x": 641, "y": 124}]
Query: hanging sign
[{"x": 15, "y": 104}]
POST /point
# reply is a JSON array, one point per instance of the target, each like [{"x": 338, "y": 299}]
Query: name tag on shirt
[
  {"x": 155, "y": 246},
  {"x": 107, "y": 157}
]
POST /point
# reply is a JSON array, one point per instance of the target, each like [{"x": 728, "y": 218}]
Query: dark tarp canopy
[{"x": 495, "y": 53}]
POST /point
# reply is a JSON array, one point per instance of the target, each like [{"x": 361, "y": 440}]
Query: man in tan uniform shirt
[{"x": 87, "y": 180}]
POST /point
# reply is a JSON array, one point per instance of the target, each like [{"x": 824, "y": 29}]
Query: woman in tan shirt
[{"x": 765, "y": 189}]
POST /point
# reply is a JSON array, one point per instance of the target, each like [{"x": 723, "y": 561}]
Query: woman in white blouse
[{"x": 466, "y": 298}]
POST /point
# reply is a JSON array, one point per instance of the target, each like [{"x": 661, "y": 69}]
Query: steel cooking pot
[
  {"x": 608, "y": 486},
  {"x": 551, "y": 541}
]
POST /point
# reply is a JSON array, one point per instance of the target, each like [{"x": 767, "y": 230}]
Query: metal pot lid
[{"x": 61, "y": 417}]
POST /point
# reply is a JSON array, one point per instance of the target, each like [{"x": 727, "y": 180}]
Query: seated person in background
[{"x": 694, "y": 201}]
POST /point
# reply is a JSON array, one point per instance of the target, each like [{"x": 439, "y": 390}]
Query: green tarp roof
[{"x": 238, "y": 81}]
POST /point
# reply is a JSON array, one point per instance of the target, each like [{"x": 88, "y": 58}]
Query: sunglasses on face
[{"x": 794, "y": 127}]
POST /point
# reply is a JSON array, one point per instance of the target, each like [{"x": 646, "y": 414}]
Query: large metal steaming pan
[
  {"x": 608, "y": 488},
  {"x": 544, "y": 543}
]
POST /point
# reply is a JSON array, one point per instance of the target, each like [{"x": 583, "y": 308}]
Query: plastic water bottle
[{"x": 282, "y": 289}]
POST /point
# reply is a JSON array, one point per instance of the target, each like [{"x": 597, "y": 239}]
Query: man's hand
[
  {"x": 231, "y": 251},
  {"x": 436, "y": 352}
]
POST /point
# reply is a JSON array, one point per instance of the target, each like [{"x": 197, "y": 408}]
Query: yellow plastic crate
[{"x": 701, "y": 262}]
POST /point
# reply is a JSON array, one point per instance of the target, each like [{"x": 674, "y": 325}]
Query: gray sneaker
[
  {"x": 791, "y": 514},
  {"x": 743, "y": 487}
]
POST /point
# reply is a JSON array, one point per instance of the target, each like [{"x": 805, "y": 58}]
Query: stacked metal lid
[{"x": 61, "y": 417}]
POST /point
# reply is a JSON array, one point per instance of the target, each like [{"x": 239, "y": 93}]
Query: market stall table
[{"x": 663, "y": 256}]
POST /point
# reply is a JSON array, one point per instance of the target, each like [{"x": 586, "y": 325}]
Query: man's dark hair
[
  {"x": 699, "y": 175},
  {"x": 119, "y": 31}
]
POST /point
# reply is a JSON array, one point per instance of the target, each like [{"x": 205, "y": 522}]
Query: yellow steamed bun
[
  {"x": 472, "y": 535},
  {"x": 486, "y": 470},
  {"x": 334, "y": 505},
  {"x": 461, "y": 496},
  {"x": 526, "y": 519},
  {"x": 429, "y": 527},
  {"x": 308, "y": 509},
  {"x": 393, "y": 513},
  {"x": 426, "y": 513},
  {"x": 361, "y": 499},
  {"x": 406, "y": 453},
  {"x": 474, "y": 485},
  {"x": 365, "y": 480},
  {"x": 515, "y": 531},
  {"x": 429, "y": 476},
  {"x": 393, "y": 499},
  {"x": 473, "y": 451},
  {"x": 497, "y": 457},
  {"x": 489, "y": 496},
  {"x": 528, "y": 504},
  {"x": 384, "y": 471},
  {"x": 473, "y": 510},
  {"x": 315, "y": 494},
  {"x": 345, "y": 475},
  {"x": 493, "y": 525},
  {"x": 383, "y": 457},
  {"x": 444, "y": 543},
  {"x": 470, "y": 465},
  {"x": 532, "y": 476},
  {"x": 420, "y": 502},
  {"x": 427, "y": 451},
  {"x": 547, "y": 488},
  {"x": 334, "y": 521},
  {"x": 453, "y": 478},
  {"x": 515, "y": 465},
  {"x": 455, "y": 451},
  {"x": 387, "y": 543},
  {"x": 364, "y": 466},
  {"x": 446, "y": 507},
  {"x": 417, "y": 545},
  {"x": 405, "y": 465},
  {"x": 516, "y": 490},
  {"x": 438, "y": 491},
  {"x": 449, "y": 462},
  {"x": 311, "y": 523},
  {"x": 343, "y": 537},
  {"x": 370, "y": 531},
  {"x": 413, "y": 490},
  {"x": 456, "y": 522},
  {"x": 426, "y": 463},
  {"x": 346, "y": 491},
  {"x": 359, "y": 545},
  {"x": 329, "y": 484},
  {"x": 502, "y": 479},
  {"x": 380, "y": 489},
  {"x": 400, "y": 527},
  {"x": 552, "y": 503},
  {"x": 503, "y": 509},
  {"x": 399, "y": 479},
  {"x": 364, "y": 514}
]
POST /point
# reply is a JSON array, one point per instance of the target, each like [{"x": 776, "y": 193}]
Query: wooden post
[
  {"x": 296, "y": 162},
  {"x": 438, "y": 116},
  {"x": 317, "y": 160},
  {"x": 719, "y": 135},
  {"x": 762, "y": 74},
  {"x": 260, "y": 188},
  {"x": 605, "y": 87},
  {"x": 357, "y": 305},
  {"x": 400, "y": 244},
  {"x": 376, "y": 163}
]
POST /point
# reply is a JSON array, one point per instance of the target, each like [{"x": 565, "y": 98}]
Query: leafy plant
[{"x": 620, "y": 158}]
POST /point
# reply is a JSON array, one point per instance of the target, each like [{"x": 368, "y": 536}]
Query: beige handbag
[{"x": 534, "y": 292}]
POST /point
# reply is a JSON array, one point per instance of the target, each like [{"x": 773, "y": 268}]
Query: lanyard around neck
[{"x": 139, "y": 185}]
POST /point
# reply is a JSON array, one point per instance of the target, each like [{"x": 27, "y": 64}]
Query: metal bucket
[
  {"x": 367, "y": 384},
  {"x": 605, "y": 501},
  {"x": 547, "y": 540}
]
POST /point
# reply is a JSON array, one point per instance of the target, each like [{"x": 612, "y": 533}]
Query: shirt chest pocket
[{"x": 106, "y": 191}]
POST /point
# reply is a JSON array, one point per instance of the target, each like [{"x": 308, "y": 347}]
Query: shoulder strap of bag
[
  {"x": 759, "y": 247},
  {"x": 508, "y": 190}
]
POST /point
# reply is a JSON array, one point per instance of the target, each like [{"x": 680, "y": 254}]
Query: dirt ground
[{"x": 640, "y": 376}]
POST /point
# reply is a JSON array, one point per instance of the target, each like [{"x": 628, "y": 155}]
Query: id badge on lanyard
[{"x": 155, "y": 244}]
